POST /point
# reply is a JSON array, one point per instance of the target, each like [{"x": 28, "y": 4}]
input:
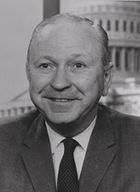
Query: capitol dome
[{"x": 121, "y": 20}]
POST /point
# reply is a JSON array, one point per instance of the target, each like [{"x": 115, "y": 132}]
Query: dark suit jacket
[{"x": 112, "y": 162}]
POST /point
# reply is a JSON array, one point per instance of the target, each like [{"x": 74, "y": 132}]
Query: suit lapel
[
  {"x": 37, "y": 157},
  {"x": 101, "y": 150}
]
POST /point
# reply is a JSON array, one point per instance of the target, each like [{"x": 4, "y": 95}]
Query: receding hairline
[
  {"x": 57, "y": 19},
  {"x": 63, "y": 17}
]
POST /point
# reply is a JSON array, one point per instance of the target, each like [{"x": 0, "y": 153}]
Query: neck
[{"x": 73, "y": 128}]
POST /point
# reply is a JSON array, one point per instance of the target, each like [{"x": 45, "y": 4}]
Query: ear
[{"x": 108, "y": 74}]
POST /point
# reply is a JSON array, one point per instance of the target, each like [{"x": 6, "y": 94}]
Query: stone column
[
  {"x": 18, "y": 111},
  {"x": 113, "y": 55},
  {"x": 138, "y": 60},
  {"x": 123, "y": 52},
  {"x": 12, "y": 112},
  {"x": 133, "y": 60},
  {"x": 0, "y": 113},
  {"x": 6, "y": 113},
  {"x": 25, "y": 109}
]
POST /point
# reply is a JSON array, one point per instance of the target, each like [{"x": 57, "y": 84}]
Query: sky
[{"x": 17, "y": 21}]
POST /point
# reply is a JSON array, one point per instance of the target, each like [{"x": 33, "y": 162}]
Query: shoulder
[
  {"x": 16, "y": 127},
  {"x": 126, "y": 127},
  {"x": 114, "y": 115}
]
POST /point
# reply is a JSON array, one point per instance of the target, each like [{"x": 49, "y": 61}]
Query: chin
[{"x": 61, "y": 118}]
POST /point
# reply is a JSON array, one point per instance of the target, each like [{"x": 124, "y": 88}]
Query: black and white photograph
[{"x": 70, "y": 96}]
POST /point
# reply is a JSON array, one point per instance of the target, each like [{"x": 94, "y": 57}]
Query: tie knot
[{"x": 70, "y": 145}]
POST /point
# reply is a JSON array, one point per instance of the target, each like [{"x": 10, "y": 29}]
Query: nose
[{"x": 60, "y": 80}]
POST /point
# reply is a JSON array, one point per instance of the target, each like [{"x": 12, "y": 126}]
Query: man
[{"x": 69, "y": 69}]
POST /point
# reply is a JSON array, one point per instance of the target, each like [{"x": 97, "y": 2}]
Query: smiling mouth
[{"x": 63, "y": 100}]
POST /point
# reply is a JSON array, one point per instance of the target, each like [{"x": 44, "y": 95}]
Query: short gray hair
[{"x": 75, "y": 19}]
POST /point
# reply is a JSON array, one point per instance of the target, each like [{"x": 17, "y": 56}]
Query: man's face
[{"x": 66, "y": 75}]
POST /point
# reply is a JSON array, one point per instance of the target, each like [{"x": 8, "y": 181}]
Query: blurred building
[
  {"x": 121, "y": 20},
  {"x": 17, "y": 106}
]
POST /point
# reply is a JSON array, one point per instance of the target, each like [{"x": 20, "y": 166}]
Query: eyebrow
[
  {"x": 52, "y": 59},
  {"x": 73, "y": 56},
  {"x": 45, "y": 57}
]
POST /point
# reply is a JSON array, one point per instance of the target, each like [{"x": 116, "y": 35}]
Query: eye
[
  {"x": 79, "y": 65},
  {"x": 46, "y": 67}
]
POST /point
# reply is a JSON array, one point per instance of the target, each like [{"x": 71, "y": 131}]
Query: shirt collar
[{"x": 82, "y": 138}]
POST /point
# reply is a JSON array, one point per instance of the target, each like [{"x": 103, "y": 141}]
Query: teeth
[{"x": 62, "y": 100}]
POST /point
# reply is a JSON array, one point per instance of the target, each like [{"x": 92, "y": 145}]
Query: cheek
[
  {"x": 88, "y": 82},
  {"x": 92, "y": 86},
  {"x": 37, "y": 82}
]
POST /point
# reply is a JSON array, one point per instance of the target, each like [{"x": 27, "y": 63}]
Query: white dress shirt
[{"x": 57, "y": 147}]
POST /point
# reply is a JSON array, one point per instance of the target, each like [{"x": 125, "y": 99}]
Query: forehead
[
  {"x": 67, "y": 36},
  {"x": 67, "y": 31}
]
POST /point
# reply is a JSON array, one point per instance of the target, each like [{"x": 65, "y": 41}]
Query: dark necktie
[{"x": 67, "y": 176}]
